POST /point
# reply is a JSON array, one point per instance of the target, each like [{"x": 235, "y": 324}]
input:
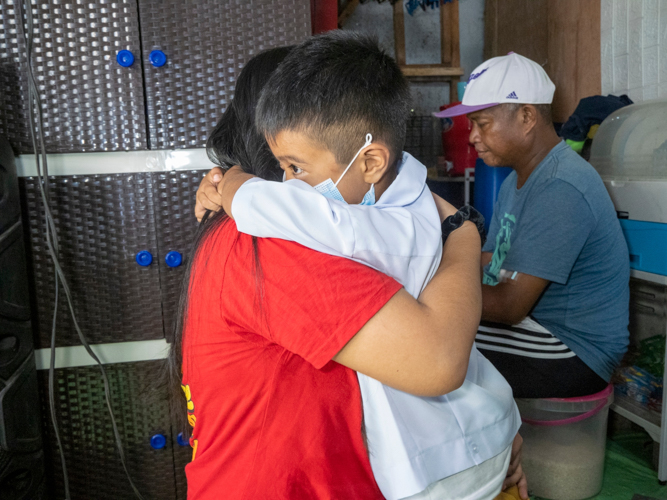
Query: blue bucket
[{"x": 487, "y": 184}]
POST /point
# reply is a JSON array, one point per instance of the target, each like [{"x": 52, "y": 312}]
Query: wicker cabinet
[
  {"x": 125, "y": 240},
  {"x": 134, "y": 74},
  {"x": 127, "y": 86}
]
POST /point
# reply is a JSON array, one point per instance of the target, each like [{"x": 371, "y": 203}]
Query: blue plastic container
[
  {"x": 647, "y": 242},
  {"x": 487, "y": 184}
]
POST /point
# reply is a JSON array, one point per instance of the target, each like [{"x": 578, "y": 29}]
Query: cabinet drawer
[
  {"x": 142, "y": 411},
  {"x": 89, "y": 101},
  {"x": 205, "y": 52},
  {"x": 103, "y": 223}
]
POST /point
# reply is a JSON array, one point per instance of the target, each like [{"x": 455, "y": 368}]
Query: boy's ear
[{"x": 375, "y": 162}]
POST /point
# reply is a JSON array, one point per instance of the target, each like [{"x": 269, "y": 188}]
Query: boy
[{"x": 370, "y": 203}]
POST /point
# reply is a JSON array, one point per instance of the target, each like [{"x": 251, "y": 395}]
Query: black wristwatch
[{"x": 456, "y": 221}]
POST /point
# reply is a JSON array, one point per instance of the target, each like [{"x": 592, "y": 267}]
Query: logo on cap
[
  {"x": 476, "y": 75},
  {"x": 512, "y": 96}
]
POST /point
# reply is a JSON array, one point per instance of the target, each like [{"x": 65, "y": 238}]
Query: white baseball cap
[{"x": 511, "y": 78}]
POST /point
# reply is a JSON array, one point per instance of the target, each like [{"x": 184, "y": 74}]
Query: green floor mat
[{"x": 628, "y": 471}]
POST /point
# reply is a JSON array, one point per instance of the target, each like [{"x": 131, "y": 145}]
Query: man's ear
[
  {"x": 529, "y": 117},
  {"x": 375, "y": 162}
]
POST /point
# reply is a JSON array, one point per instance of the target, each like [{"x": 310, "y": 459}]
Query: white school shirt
[{"x": 413, "y": 441}]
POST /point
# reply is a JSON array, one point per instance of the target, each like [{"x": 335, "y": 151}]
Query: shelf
[
  {"x": 633, "y": 411},
  {"x": 430, "y": 70}
]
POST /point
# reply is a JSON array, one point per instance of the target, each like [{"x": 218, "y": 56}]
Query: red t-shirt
[{"x": 274, "y": 417}]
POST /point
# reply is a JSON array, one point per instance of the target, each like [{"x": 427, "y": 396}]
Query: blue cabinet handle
[
  {"x": 173, "y": 259},
  {"x": 180, "y": 439},
  {"x": 157, "y": 58},
  {"x": 144, "y": 258},
  {"x": 158, "y": 441},
  {"x": 125, "y": 58}
]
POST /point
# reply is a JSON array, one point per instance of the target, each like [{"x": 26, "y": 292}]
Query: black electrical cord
[{"x": 52, "y": 246}]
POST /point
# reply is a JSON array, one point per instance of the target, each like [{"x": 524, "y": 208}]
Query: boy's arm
[
  {"x": 296, "y": 212},
  {"x": 207, "y": 197}
]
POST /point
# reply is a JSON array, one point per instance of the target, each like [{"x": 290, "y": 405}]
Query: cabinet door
[
  {"x": 103, "y": 222},
  {"x": 90, "y": 102},
  {"x": 141, "y": 408},
  {"x": 176, "y": 227},
  {"x": 206, "y": 43},
  {"x": 182, "y": 457}
]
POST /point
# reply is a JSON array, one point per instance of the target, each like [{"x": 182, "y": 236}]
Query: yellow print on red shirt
[{"x": 192, "y": 419}]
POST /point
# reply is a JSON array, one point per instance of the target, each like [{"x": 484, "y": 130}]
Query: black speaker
[
  {"x": 20, "y": 429},
  {"x": 14, "y": 295},
  {"x": 21, "y": 456},
  {"x": 15, "y": 345},
  {"x": 10, "y": 208},
  {"x": 22, "y": 476}
]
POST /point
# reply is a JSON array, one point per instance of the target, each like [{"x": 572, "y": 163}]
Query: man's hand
[
  {"x": 445, "y": 209},
  {"x": 515, "y": 474},
  {"x": 208, "y": 197}
]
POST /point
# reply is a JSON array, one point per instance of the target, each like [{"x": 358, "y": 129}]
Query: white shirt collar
[{"x": 408, "y": 185}]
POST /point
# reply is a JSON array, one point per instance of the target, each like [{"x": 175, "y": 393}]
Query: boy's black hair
[{"x": 336, "y": 88}]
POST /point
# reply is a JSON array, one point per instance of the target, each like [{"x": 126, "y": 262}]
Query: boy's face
[{"x": 304, "y": 159}]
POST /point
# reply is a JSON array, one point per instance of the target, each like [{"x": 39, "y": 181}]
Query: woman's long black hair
[{"x": 234, "y": 141}]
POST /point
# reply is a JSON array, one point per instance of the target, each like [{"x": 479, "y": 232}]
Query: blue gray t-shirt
[{"x": 562, "y": 226}]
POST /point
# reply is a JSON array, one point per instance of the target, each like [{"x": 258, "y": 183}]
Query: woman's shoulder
[
  {"x": 225, "y": 244},
  {"x": 227, "y": 248}
]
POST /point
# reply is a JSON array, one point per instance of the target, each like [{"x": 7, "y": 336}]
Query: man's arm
[
  {"x": 511, "y": 301},
  {"x": 423, "y": 346},
  {"x": 545, "y": 245}
]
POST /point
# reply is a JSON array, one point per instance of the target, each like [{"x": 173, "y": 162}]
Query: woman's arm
[{"x": 423, "y": 346}]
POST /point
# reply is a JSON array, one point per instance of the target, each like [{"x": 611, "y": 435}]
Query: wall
[
  {"x": 634, "y": 48},
  {"x": 561, "y": 35},
  {"x": 423, "y": 42}
]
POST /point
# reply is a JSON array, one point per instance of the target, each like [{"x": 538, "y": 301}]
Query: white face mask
[{"x": 330, "y": 190}]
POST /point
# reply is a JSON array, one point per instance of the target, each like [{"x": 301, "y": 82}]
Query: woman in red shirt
[{"x": 272, "y": 334}]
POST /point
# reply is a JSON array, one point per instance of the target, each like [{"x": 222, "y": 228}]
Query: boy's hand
[
  {"x": 445, "y": 209},
  {"x": 233, "y": 179},
  {"x": 515, "y": 474},
  {"x": 208, "y": 197}
]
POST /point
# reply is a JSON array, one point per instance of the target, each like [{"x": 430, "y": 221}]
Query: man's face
[
  {"x": 304, "y": 159},
  {"x": 495, "y": 134}
]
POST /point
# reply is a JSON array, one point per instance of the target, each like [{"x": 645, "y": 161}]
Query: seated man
[{"x": 556, "y": 265}]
